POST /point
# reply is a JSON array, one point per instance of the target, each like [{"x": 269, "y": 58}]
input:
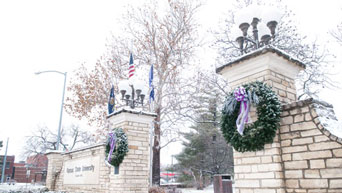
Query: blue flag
[
  {"x": 150, "y": 81},
  {"x": 111, "y": 102}
]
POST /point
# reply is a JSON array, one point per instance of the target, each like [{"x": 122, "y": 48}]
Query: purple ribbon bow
[
  {"x": 112, "y": 145},
  {"x": 241, "y": 96}
]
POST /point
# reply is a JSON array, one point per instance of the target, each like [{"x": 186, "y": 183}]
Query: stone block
[
  {"x": 259, "y": 175},
  {"x": 324, "y": 145},
  {"x": 285, "y": 143},
  {"x": 298, "y": 118},
  {"x": 251, "y": 160},
  {"x": 255, "y": 168},
  {"x": 292, "y": 183},
  {"x": 317, "y": 121},
  {"x": 287, "y": 157},
  {"x": 284, "y": 114},
  {"x": 293, "y": 149},
  {"x": 284, "y": 129},
  {"x": 237, "y": 161},
  {"x": 315, "y": 164},
  {"x": 291, "y": 96},
  {"x": 277, "y": 159},
  {"x": 336, "y": 183},
  {"x": 264, "y": 191},
  {"x": 295, "y": 111},
  {"x": 303, "y": 126},
  {"x": 269, "y": 167},
  {"x": 312, "y": 132},
  {"x": 296, "y": 165},
  {"x": 271, "y": 151},
  {"x": 247, "y": 184},
  {"x": 266, "y": 159},
  {"x": 281, "y": 190},
  {"x": 307, "y": 117},
  {"x": 334, "y": 163},
  {"x": 311, "y": 155},
  {"x": 321, "y": 138},
  {"x": 321, "y": 190},
  {"x": 293, "y": 174},
  {"x": 302, "y": 141},
  {"x": 331, "y": 173},
  {"x": 245, "y": 154},
  {"x": 279, "y": 175},
  {"x": 275, "y": 144},
  {"x": 272, "y": 183},
  {"x": 311, "y": 174},
  {"x": 244, "y": 190},
  {"x": 286, "y": 120},
  {"x": 313, "y": 183},
  {"x": 242, "y": 169},
  {"x": 291, "y": 135}
]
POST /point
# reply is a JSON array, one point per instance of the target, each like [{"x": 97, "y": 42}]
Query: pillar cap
[
  {"x": 132, "y": 111},
  {"x": 262, "y": 51}
]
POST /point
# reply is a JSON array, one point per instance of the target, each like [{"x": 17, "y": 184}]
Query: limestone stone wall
[
  {"x": 134, "y": 170},
  {"x": 269, "y": 68},
  {"x": 312, "y": 156},
  {"x": 58, "y": 162},
  {"x": 55, "y": 164},
  {"x": 133, "y": 176},
  {"x": 304, "y": 157},
  {"x": 283, "y": 86},
  {"x": 260, "y": 171}
]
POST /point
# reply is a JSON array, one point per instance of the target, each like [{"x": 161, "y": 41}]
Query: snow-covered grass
[
  {"x": 209, "y": 189},
  {"x": 22, "y": 187}
]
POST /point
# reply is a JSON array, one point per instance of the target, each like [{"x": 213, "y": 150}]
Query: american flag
[{"x": 131, "y": 67}]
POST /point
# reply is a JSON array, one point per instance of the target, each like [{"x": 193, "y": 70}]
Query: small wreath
[
  {"x": 117, "y": 147},
  {"x": 255, "y": 135}
]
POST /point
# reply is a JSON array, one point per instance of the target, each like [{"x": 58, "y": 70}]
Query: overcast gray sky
[{"x": 60, "y": 35}]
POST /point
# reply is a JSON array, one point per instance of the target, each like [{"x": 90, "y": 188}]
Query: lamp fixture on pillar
[
  {"x": 133, "y": 93},
  {"x": 259, "y": 17}
]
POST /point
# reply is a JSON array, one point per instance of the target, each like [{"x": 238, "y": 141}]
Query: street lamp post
[
  {"x": 260, "y": 18},
  {"x": 61, "y": 113},
  {"x": 133, "y": 93}
]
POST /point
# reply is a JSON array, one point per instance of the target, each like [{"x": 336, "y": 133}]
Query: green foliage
[
  {"x": 262, "y": 131},
  {"x": 120, "y": 149},
  {"x": 205, "y": 151},
  {"x": 1, "y": 144}
]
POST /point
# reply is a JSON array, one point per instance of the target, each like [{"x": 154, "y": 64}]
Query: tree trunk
[{"x": 156, "y": 151}]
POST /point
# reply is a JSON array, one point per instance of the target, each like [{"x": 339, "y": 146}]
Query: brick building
[
  {"x": 36, "y": 165},
  {"x": 9, "y": 173}
]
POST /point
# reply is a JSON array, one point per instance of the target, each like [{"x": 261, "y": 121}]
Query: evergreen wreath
[
  {"x": 262, "y": 131},
  {"x": 121, "y": 147}
]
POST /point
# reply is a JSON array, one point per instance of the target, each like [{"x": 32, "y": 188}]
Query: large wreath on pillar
[
  {"x": 117, "y": 147},
  {"x": 236, "y": 125}
]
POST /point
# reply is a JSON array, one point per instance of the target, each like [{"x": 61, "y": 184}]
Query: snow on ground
[
  {"x": 30, "y": 188},
  {"x": 209, "y": 189},
  {"x": 328, "y": 119},
  {"x": 22, "y": 187}
]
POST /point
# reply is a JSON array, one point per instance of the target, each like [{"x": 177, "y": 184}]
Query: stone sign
[{"x": 82, "y": 171}]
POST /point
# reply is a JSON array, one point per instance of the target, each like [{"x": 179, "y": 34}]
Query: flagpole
[{"x": 151, "y": 150}]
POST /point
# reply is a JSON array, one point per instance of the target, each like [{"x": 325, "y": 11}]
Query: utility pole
[{"x": 4, "y": 164}]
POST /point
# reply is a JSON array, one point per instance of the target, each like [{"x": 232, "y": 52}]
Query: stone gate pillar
[
  {"x": 54, "y": 169},
  {"x": 134, "y": 171},
  {"x": 263, "y": 171}
]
